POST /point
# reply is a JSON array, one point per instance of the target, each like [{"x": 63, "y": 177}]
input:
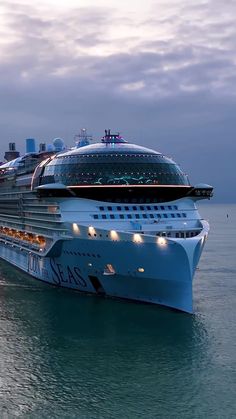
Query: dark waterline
[{"x": 64, "y": 355}]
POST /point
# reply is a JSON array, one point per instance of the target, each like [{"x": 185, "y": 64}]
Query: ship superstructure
[{"x": 110, "y": 218}]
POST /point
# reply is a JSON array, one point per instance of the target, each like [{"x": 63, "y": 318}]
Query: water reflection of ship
[
  {"x": 57, "y": 309},
  {"x": 57, "y": 341}
]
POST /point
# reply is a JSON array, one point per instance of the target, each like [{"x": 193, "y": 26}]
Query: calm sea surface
[{"x": 63, "y": 355}]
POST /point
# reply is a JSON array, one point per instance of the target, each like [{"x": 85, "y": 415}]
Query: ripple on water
[{"x": 64, "y": 355}]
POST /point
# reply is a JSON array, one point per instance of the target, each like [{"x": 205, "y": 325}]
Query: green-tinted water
[{"x": 63, "y": 355}]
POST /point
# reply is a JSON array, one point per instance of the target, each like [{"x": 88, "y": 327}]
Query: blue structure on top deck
[{"x": 30, "y": 145}]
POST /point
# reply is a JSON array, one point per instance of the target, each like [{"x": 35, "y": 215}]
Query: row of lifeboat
[{"x": 23, "y": 236}]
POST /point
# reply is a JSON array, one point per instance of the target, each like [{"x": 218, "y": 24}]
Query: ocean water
[{"x": 63, "y": 355}]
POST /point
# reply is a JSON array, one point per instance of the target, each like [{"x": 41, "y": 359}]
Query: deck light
[
  {"x": 76, "y": 229},
  {"x": 161, "y": 241},
  {"x": 137, "y": 238},
  {"x": 109, "y": 269},
  {"x": 141, "y": 270},
  {"x": 91, "y": 230},
  {"x": 114, "y": 235}
]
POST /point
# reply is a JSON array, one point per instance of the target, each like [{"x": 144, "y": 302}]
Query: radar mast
[{"x": 83, "y": 138}]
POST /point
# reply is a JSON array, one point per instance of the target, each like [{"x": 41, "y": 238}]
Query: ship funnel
[
  {"x": 11, "y": 154},
  {"x": 30, "y": 145},
  {"x": 12, "y": 146},
  {"x": 42, "y": 147}
]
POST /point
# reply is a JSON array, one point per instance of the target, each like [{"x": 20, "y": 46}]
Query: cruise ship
[{"x": 109, "y": 218}]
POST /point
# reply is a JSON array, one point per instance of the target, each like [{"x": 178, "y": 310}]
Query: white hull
[{"x": 79, "y": 264}]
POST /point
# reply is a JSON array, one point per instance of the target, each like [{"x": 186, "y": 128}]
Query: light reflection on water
[{"x": 64, "y": 355}]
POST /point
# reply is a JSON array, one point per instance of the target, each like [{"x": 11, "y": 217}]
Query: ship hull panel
[{"x": 142, "y": 272}]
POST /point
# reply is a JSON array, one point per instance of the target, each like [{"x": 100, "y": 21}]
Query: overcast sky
[{"x": 162, "y": 72}]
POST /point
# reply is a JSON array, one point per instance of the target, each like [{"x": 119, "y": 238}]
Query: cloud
[
  {"x": 197, "y": 55},
  {"x": 166, "y": 78}
]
